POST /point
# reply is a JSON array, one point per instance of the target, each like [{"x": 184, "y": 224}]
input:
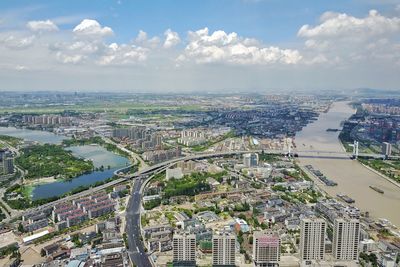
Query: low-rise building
[
  {"x": 241, "y": 225},
  {"x": 36, "y": 225},
  {"x": 174, "y": 173}
]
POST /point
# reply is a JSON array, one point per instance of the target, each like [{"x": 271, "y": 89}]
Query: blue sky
[
  {"x": 276, "y": 49},
  {"x": 267, "y": 20}
]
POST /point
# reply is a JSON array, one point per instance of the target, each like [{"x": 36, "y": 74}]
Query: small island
[{"x": 50, "y": 160}]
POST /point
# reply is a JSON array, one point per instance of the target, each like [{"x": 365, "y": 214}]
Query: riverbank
[
  {"x": 382, "y": 175},
  {"x": 352, "y": 177},
  {"x": 40, "y": 181}
]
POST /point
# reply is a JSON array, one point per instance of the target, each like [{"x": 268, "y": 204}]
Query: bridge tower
[{"x": 355, "y": 149}]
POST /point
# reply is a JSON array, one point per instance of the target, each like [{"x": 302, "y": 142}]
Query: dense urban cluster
[
  {"x": 192, "y": 180},
  {"x": 261, "y": 219}
]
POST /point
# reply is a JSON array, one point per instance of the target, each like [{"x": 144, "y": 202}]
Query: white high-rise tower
[
  {"x": 346, "y": 238},
  {"x": 223, "y": 249},
  {"x": 312, "y": 239},
  {"x": 184, "y": 250}
]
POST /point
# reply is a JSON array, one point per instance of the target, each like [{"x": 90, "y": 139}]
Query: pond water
[
  {"x": 99, "y": 155},
  {"x": 33, "y": 135}
]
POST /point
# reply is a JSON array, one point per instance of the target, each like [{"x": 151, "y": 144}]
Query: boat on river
[
  {"x": 380, "y": 191},
  {"x": 346, "y": 198}
]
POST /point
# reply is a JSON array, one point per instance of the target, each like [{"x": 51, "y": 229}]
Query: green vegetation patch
[
  {"x": 189, "y": 185},
  {"x": 390, "y": 168},
  {"x": 52, "y": 160},
  {"x": 302, "y": 196},
  {"x": 269, "y": 157},
  {"x": 151, "y": 204},
  {"x": 12, "y": 141},
  {"x": 10, "y": 250}
]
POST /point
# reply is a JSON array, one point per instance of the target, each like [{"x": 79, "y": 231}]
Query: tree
[
  {"x": 251, "y": 240},
  {"x": 242, "y": 216},
  {"x": 20, "y": 228}
]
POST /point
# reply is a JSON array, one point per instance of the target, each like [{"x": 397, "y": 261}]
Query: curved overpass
[
  {"x": 145, "y": 171},
  {"x": 150, "y": 169}
]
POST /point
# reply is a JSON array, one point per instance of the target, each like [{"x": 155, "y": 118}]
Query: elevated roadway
[{"x": 150, "y": 169}]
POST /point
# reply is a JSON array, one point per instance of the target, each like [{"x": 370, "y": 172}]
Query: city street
[{"x": 136, "y": 250}]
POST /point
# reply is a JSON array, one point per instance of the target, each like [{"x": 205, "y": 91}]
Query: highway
[{"x": 136, "y": 250}]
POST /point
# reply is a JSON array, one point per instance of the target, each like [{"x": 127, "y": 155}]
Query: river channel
[{"x": 353, "y": 178}]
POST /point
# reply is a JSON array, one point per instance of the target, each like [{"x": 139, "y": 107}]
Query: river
[{"x": 353, "y": 179}]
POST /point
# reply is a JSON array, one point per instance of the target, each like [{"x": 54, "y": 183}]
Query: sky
[{"x": 199, "y": 45}]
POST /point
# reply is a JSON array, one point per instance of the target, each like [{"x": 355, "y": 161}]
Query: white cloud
[
  {"x": 141, "y": 37},
  {"x": 17, "y": 42},
  {"x": 70, "y": 59},
  {"x": 143, "y": 40},
  {"x": 75, "y": 52},
  {"x": 92, "y": 51},
  {"x": 344, "y": 40},
  {"x": 118, "y": 55},
  {"x": 84, "y": 47},
  {"x": 335, "y": 25},
  {"x": 339, "y": 50},
  {"x": 171, "y": 38},
  {"x": 42, "y": 26},
  {"x": 229, "y": 48},
  {"x": 91, "y": 28}
]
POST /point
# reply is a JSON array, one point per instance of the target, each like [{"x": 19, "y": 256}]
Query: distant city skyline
[{"x": 201, "y": 46}]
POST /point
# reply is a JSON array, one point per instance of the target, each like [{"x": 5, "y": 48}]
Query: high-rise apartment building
[
  {"x": 312, "y": 239},
  {"x": 346, "y": 239},
  {"x": 6, "y": 162},
  {"x": 266, "y": 249},
  {"x": 386, "y": 149},
  {"x": 250, "y": 160},
  {"x": 184, "y": 250},
  {"x": 223, "y": 250}
]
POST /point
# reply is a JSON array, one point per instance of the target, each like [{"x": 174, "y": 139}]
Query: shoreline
[
  {"x": 40, "y": 181},
  {"x": 353, "y": 177},
  {"x": 381, "y": 174},
  {"x": 369, "y": 168}
]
